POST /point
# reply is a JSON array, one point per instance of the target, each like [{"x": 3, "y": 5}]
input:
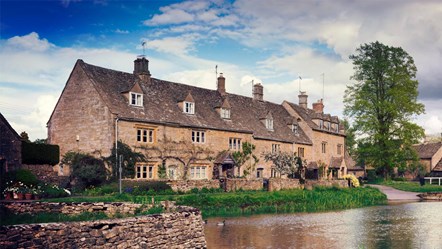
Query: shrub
[
  {"x": 146, "y": 187},
  {"x": 33, "y": 153},
  {"x": 23, "y": 175}
]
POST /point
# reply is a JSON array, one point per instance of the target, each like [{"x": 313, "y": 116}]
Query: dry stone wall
[
  {"x": 276, "y": 184},
  {"x": 326, "y": 183},
  {"x": 185, "y": 186},
  {"x": 181, "y": 229},
  {"x": 244, "y": 184},
  {"x": 109, "y": 208}
]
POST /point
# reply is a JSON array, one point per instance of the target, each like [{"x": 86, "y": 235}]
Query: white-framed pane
[
  {"x": 203, "y": 139},
  {"x": 192, "y": 172},
  {"x": 138, "y": 172},
  {"x": 150, "y": 172},
  {"x": 139, "y": 135},
  {"x": 144, "y": 172},
  {"x": 150, "y": 136}
]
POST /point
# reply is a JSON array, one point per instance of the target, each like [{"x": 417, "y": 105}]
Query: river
[{"x": 400, "y": 225}]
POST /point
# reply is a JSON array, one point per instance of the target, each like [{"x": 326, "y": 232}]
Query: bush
[
  {"x": 53, "y": 191},
  {"x": 33, "y": 153},
  {"x": 146, "y": 187}
]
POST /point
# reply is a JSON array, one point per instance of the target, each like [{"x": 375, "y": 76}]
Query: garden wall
[
  {"x": 181, "y": 229},
  {"x": 244, "y": 184},
  {"x": 276, "y": 184},
  {"x": 187, "y": 185},
  {"x": 45, "y": 173},
  {"x": 109, "y": 208},
  {"x": 309, "y": 184}
]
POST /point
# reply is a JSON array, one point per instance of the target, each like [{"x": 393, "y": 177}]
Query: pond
[{"x": 400, "y": 225}]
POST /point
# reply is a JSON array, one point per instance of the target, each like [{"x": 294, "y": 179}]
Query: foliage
[
  {"x": 130, "y": 158},
  {"x": 284, "y": 163},
  {"x": 86, "y": 170},
  {"x": 350, "y": 138},
  {"x": 183, "y": 151},
  {"x": 13, "y": 219},
  {"x": 382, "y": 102},
  {"x": 321, "y": 169},
  {"x": 39, "y": 153},
  {"x": 25, "y": 137},
  {"x": 162, "y": 174},
  {"x": 243, "y": 156},
  {"x": 353, "y": 180},
  {"x": 41, "y": 141},
  {"x": 24, "y": 176}
]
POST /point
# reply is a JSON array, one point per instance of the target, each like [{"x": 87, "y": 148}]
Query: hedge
[{"x": 33, "y": 153}]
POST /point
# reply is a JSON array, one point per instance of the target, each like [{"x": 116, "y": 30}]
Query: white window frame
[
  {"x": 189, "y": 107},
  {"x": 324, "y": 147},
  {"x": 295, "y": 128},
  {"x": 145, "y": 135},
  {"x": 276, "y": 148},
  {"x": 144, "y": 171},
  {"x": 235, "y": 143},
  {"x": 198, "y": 172},
  {"x": 198, "y": 137},
  {"x": 269, "y": 124},
  {"x": 225, "y": 113},
  {"x": 321, "y": 124},
  {"x": 337, "y": 127},
  {"x": 136, "y": 99}
]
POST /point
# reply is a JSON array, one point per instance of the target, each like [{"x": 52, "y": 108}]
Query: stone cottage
[
  {"x": 10, "y": 147},
  {"x": 188, "y": 130},
  {"x": 430, "y": 155}
]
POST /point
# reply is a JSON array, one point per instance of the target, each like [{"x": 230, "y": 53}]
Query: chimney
[
  {"x": 302, "y": 99},
  {"x": 141, "y": 68},
  {"x": 318, "y": 107},
  {"x": 221, "y": 84},
  {"x": 258, "y": 92}
]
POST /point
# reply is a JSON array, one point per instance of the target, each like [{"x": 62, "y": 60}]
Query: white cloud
[
  {"x": 120, "y": 31},
  {"x": 29, "y": 42},
  {"x": 171, "y": 16}
]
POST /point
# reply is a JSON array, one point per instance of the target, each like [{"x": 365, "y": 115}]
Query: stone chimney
[
  {"x": 318, "y": 107},
  {"x": 141, "y": 68},
  {"x": 258, "y": 92},
  {"x": 303, "y": 99},
  {"x": 221, "y": 84}
]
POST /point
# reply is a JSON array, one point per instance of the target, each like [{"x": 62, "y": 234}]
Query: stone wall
[
  {"x": 309, "y": 184},
  {"x": 185, "y": 186},
  {"x": 276, "y": 184},
  {"x": 45, "y": 173},
  {"x": 181, "y": 229},
  {"x": 74, "y": 208},
  {"x": 244, "y": 184}
]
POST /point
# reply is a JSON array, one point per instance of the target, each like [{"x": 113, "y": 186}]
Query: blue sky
[{"x": 272, "y": 42}]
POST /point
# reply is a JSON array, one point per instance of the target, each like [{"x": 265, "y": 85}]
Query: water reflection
[{"x": 406, "y": 225}]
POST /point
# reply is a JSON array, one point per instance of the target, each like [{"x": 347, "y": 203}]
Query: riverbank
[
  {"x": 395, "y": 194},
  {"x": 286, "y": 201}
]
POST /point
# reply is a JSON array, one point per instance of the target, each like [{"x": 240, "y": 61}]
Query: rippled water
[{"x": 406, "y": 225}]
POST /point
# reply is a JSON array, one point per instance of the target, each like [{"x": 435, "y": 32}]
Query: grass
[
  {"x": 413, "y": 186},
  {"x": 319, "y": 199},
  {"x": 14, "y": 219}
]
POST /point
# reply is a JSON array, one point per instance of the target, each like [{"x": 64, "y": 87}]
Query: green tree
[
  {"x": 25, "y": 137},
  {"x": 382, "y": 102},
  {"x": 350, "y": 138},
  {"x": 130, "y": 158},
  {"x": 241, "y": 157}
]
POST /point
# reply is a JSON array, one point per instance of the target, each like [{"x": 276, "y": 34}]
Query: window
[
  {"x": 339, "y": 149},
  {"x": 301, "y": 152},
  {"x": 234, "y": 143},
  {"x": 273, "y": 173},
  {"x": 259, "y": 172},
  {"x": 269, "y": 124},
  {"x": 198, "y": 172},
  {"x": 136, "y": 99},
  {"x": 144, "y": 171},
  {"x": 172, "y": 172},
  {"x": 145, "y": 135},
  {"x": 337, "y": 127},
  {"x": 189, "y": 107},
  {"x": 328, "y": 125},
  {"x": 321, "y": 124},
  {"x": 225, "y": 113},
  {"x": 275, "y": 148},
  {"x": 295, "y": 128},
  {"x": 198, "y": 137},
  {"x": 324, "y": 147}
]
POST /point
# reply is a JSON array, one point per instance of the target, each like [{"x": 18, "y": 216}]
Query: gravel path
[{"x": 396, "y": 195}]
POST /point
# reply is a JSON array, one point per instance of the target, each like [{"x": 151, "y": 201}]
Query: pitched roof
[
  {"x": 438, "y": 166},
  {"x": 160, "y": 105},
  {"x": 336, "y": 162},
  {"x": 427, "y": 150},
  {"x": 308, "y": 115},
  {"x": 350, "y": 163},
  {"x": 4, "y": 121}
]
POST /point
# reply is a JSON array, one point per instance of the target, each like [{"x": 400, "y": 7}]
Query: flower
[{"x": 354, "y": 181}]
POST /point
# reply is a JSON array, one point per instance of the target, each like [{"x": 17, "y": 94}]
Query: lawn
[{"x": 413, "y": 186}]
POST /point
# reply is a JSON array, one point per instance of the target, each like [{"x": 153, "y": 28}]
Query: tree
[
  {"x": 25, "y": 137},
  {"x": 350, "y": 138},
  {"x": 382, "y": 103},
  {"x": 285, "y": 163},
  {"x": 241, "y": 157},
  {"x": 130, "y": 158}
]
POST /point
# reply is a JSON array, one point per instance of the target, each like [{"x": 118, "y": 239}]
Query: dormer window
[
  {"x": 225, "y": 113},
  {"x": 321, "y": 124},
  {"x": 136, "y": 99},
  {"x": 328, "y": 125},
  {"x": 269, "y": 124},
  {"x": 337, "y": 127},
  {"x": 189, "y": 107},
  {"x": 295, "y": 129}
]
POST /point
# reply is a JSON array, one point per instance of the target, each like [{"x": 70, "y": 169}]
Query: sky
[{"x": 285, "y": 45}]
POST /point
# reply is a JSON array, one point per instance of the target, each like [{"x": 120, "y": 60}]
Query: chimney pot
[{"x": 141, "y": 68}]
